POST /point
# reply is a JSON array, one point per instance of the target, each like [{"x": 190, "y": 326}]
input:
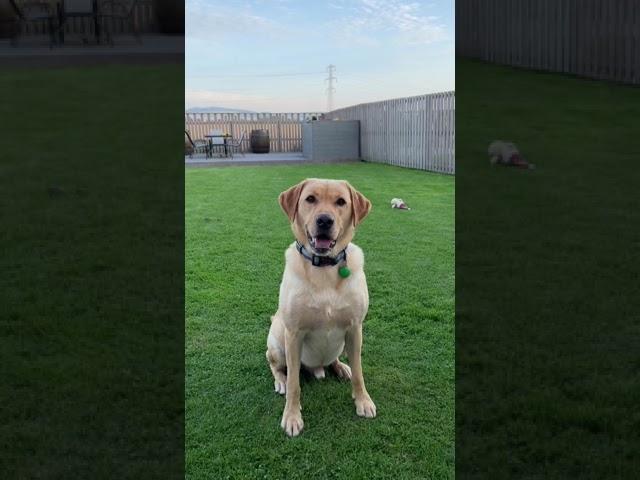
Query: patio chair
[
  {"x": 236, "y": 144},
  {"x": 114, "y": 15},
  {"x": 33, "y": 12},
  {"x": 198, "y": 146}
]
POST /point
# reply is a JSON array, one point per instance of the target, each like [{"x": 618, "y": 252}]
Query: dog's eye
[
  {"x": 341, "y": 202},
  {"x": 311, "y": 199}
]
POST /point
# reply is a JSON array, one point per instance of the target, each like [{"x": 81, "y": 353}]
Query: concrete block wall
[{"x": 326, "y": 140}]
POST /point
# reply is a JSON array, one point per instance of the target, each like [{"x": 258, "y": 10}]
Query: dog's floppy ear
[
  {"x": 360, "y": 205},
  {"x": 289, "y": 200}
]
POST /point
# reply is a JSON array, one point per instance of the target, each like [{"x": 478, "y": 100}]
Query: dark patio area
[{"x": 277, "y": 158}]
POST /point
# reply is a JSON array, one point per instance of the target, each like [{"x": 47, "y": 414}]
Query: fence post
[{"x": 279, "y": 135}]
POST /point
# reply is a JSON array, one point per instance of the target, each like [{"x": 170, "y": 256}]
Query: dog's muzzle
[{"x": 321, "y": 243}]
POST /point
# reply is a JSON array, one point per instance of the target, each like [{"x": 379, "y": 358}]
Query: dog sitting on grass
[
  {"x": 506, "y": 153},
  {"x": 323, "y": 295}
]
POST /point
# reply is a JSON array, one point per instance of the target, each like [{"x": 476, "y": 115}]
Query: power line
[{"x": 295, "y": 74}]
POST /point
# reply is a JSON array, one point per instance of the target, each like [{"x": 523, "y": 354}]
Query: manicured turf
[
  {"x": 235, "y": 238},
  {"x": 547, "y": 283},
  {"x": 91, "y": 299}
]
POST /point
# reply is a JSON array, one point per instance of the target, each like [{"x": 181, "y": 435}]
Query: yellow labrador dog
[{"x": 323, "y": 294}]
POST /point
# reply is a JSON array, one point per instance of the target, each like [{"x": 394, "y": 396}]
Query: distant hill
[{"x": 216, "y": 110}]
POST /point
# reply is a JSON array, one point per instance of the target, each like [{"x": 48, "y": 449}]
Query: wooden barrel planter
[{"x": 260, "y": 141}]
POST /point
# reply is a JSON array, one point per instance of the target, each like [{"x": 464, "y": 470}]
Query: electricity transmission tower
[{"x": 330, "y": 89}]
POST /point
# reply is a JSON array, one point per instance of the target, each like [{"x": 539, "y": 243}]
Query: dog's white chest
[{"x": 322, "y": 346}]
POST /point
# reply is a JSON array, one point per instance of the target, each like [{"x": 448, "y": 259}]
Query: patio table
[{"x": 224, "y": 136}]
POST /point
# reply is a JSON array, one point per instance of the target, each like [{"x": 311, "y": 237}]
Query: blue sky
[{"x": 271, "y": 55}]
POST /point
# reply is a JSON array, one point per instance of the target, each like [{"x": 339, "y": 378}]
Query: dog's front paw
[
  {"x": 292, "y": 423},
  {"x": 365, "y": 407}
]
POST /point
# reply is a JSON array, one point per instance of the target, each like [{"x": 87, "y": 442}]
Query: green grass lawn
[
  {"x": 547, "y": 283},
  {"x": 236, "y": 235},
  {"x": 91, "y": 209}
]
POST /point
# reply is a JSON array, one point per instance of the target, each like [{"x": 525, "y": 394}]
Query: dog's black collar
[{"x": 321, "y": 261}]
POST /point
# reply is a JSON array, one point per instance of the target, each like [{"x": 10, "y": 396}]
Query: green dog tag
[{"x": 344, "y": 272}]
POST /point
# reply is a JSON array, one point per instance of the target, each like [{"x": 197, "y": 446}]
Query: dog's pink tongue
[{"x": 323, "y": 243}]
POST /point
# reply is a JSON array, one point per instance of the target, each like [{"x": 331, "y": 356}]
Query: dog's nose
[{"x": 324, "y": 222}]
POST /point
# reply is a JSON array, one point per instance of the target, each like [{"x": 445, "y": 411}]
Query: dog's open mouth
[{"x": 321, "y": 243}]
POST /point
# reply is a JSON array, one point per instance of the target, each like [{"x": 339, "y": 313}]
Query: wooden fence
[
  {"x": 144, "y": 16},
  {"x": 285, "y": 129},
  {"x": 591, "y": 38},
  {"x": 415, "y": 132}
]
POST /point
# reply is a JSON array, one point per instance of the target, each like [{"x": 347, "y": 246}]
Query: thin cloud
[
  {"x": 206, "y": 21},
  {"x": 402, "y": 20}
]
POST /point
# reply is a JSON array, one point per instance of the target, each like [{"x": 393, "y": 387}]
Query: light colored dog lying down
[
  {"x": 323, "y": 294},
  {"x": 506, "y": 153}
]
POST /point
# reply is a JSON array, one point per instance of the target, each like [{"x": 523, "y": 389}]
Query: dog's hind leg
[
  {"x": 276, "y": 355},
  {"x": 342, "y": 369},
  {"x": 278, "y": 365}
]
